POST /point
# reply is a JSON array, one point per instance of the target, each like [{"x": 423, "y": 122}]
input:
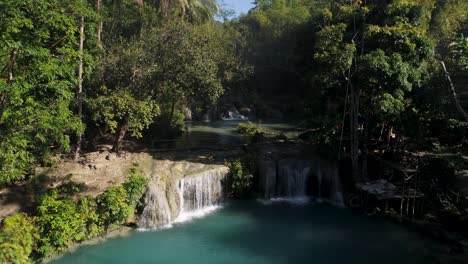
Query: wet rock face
[{"x": 157, "y": 212}]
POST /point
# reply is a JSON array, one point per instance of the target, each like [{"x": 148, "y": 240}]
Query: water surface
[
  {"x": 253, "y": 232},
  {"x": 222, "y": 133}
]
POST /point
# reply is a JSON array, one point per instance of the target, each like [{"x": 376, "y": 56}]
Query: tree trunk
[
  {"x": 389, "y": 136},
  {"x": 165, "y": 7},
  {"x": 364, "y": 148},
  {"x": 79, "y": 89},
  {"x": 171, "y": 115},
  {"x": 120, "y": 137},
  {"x": 354, "y": 114},
  {"x": 354, "y": 133},
  {"x": 9, "y": 69},
  {"x": 453, "y": 93},
  {"x": 100, "y": 24},
  {"x": 10, "y": 65}
]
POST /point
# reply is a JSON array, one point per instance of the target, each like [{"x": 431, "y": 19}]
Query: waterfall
[
  {"x": 156, "y": 213},
  {"x": 180, "y": 191},
  {"x": 294, "y": 180},
  {"x": 267, "y": 172},
  {"x": 329, "y": 187},
  {"x": 200, "y": 194},
  {"x": 286, "y": 179},
  {"x": 232, "y": 114}
]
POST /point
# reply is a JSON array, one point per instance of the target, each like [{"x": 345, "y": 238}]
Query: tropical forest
[{"x": 234, "y": 131}]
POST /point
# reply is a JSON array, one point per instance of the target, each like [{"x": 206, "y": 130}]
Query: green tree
[
  {"x": 386, "y": 50},
  {"x": 60, "y": 224},
  {"x": 18, "y": 238},
  {"x": 113, "y": 207},
  {"x": 153, "y": 78},
  {"x": 273, "y": 30},
  {"x": 39, "y": 48}
]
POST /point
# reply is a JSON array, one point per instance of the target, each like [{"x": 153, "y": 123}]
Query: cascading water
[
  {"x": 292, "y": 178},
  {"x": 180, "y": 191},
  {"x": 267, "y": 172},
  {"x": 200, "y": 194},
  {"x": 157, "y": 213},
  {"x": 295, "y": 179},
  {"x": 233, "y": 114},
  {"x": 328, "y": 184}
]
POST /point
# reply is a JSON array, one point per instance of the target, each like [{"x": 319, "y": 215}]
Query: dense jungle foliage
[
  {"x": 60, "y": 220},
  {"x": 362, "y": 70},
  {"x": 359, "y": 75}
]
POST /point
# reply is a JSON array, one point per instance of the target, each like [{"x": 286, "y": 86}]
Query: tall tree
[
  {"x": 36, "y": 113},
  {"x": 375, "y": 52}
]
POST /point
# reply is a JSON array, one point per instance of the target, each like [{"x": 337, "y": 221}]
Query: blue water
[{"x": 252, "y": 232}]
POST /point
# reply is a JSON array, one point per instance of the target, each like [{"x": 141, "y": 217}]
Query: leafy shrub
[
  {"x": 249, "y": 128},
  {"x": 60, "y": 224},
  {"x": 62, "y": 221},
  {"x": 113, "y": 207},
  {"x": 71, "y": 188},
  {"x": 241, "y": 179},
  {"x": 87, "y": 209},
  {"x": 178, "y": 121},
  {"x": 135, "y": 188},
  {"x": 17, "y": 239}
]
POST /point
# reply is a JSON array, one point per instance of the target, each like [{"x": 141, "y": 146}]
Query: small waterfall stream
[
  {"x": 232, "y": 114},
  {"x": 157, "y": 213},
  {"x": 180, "y": 192},
  {"x": 292, "y": 178},
  {"x": 200, "y": 194},
  {"x": 329, "y": 187},
  {"x": 296, "y": 179}
]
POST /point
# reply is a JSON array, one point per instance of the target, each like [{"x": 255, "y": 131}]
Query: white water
[
  {"x": 156, "y": 214},
  {"x": 329, "y": 185},
  {"x": 289, "y": 180},
  {"x": 267, "y": 172},
  {"x": 233, "y": 114},
  {"x": 200, "y": 195},
  {"x": 292, "y": 178}
]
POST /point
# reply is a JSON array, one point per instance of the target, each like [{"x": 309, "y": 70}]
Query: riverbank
[{"x": 119, "y": 232}]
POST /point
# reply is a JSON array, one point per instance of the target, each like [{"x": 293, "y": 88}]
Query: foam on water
[{"x": 189, "y": 216}]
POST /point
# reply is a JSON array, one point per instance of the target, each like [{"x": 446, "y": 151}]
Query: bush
[
  {"x": 113, "y": 207},
  {"x": 87, "y": 209},
  {"x": 62, "y": 221},
  {"x": 241, "y": 179},
  {"x": 60, "y": 224},
  {"x": 249, "y": 128},
  {"x": 71, "y": 188},
  {"x": 135, "y": 188},
  {"x": 17, "y": 239}
]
